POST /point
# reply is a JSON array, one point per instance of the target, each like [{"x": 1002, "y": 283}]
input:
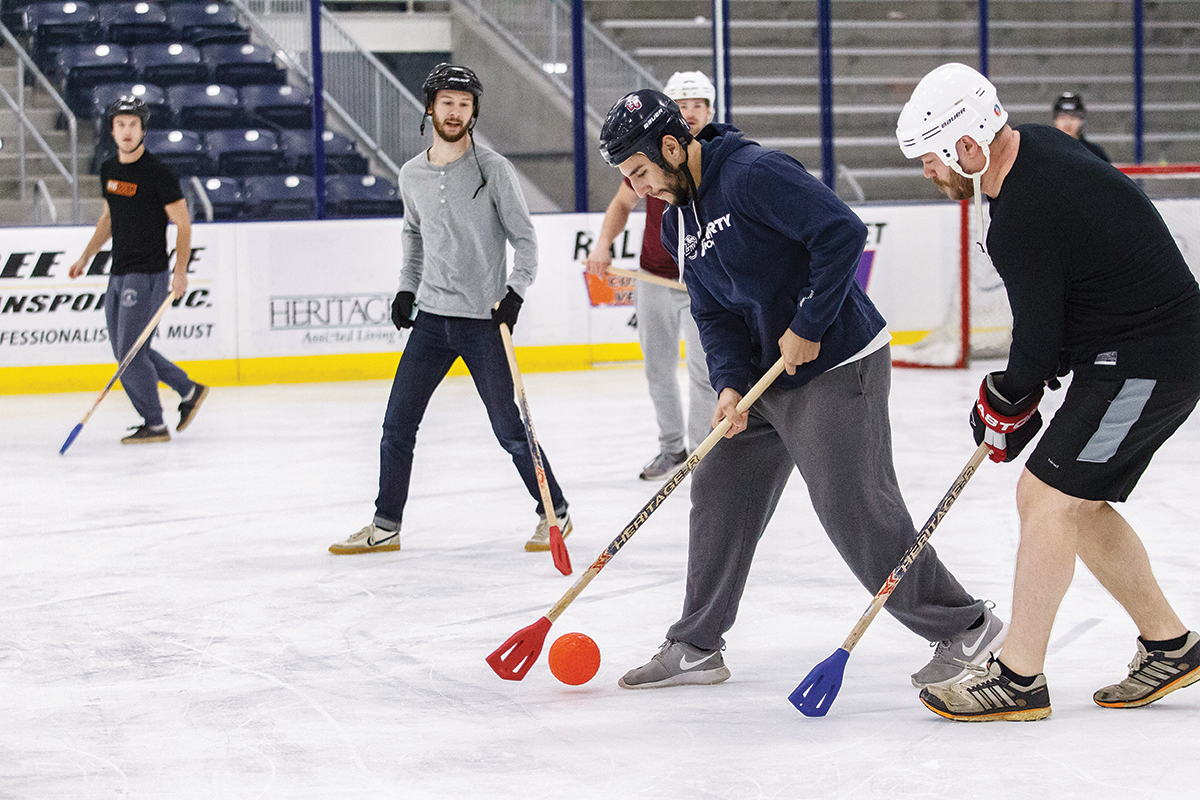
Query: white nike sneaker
[
  {"x": 676, "y": 664},
  {"x": 370, "y": 539},
  {"x": 953, "y": 658}
]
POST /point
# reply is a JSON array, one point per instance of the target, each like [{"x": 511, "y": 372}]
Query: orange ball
[{"x": 574, "y": 658}]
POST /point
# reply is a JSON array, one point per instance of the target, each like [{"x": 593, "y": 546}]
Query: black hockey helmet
[
  {"x": 637, "y": 123},
  {"x": 1069, "y": 103},
  {"x": 128, "y": 105},
  {"x": 450, "y": 76}
]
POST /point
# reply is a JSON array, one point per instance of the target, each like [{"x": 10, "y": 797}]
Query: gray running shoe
[
  {"x": 988, "y": 696},
  {"x": 676, "y": 664},
  {"x": 146, "y": 434},
  {"x": 663, "y": 465},
  {"x": 371, "y": 539},
  {"x": 953, "y": 658},
  {"x": 540, "y": 541},
  {"x": 1153, "y": 674}
]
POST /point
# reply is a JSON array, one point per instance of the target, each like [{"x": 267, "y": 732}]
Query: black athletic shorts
[{"x": 1102, "y": 438}]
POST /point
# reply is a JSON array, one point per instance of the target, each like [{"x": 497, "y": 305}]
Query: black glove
[
  {"x": 508, "y": 309},
  {"x": 402, "y": 310},
  {"x": 1006, "y": 426}
]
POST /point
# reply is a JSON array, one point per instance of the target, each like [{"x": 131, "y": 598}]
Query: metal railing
[
  {"x": 25, "y": 124},
  {"x": 202, "y": 196},
  {"x": 540, "y": 30},
  {"x": 372, "y": 105},
  {"x": 41, "y": 194}
]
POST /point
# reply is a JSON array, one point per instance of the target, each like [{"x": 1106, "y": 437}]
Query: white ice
[{"x": 174, "y": 627}]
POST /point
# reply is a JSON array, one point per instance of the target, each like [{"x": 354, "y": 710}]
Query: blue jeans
[{"x": 434, "y": 344}]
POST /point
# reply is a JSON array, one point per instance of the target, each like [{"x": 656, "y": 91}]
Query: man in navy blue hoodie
[{"x": 770, "y": 256}]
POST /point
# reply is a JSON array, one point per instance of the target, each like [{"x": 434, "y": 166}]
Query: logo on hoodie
[
  {"x": 689, "y": 246},
  {"x": 710, "y": 230}
]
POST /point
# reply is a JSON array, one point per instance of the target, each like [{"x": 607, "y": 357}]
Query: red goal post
[{"x": 977, "y": 323}]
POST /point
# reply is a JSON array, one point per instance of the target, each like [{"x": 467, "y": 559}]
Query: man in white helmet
[
  {"x": 1097, "y": 288},
  {"x": 662, "y": 313}
]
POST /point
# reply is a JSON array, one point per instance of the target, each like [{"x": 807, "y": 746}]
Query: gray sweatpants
[
  {"x": 836, "y": 429},
  {"x": 664, "y": 315},
  {"x": 129, "y": 304}
]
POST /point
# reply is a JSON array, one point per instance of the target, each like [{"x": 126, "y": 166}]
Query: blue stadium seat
[
  {"x": 253, "y": 151},
  {"x": 207, "y": 23},
  {"x": 242, "y": 64},
  {"x": 279, "y": 106},
  {"x": 130, "y": 23},
  {"x": 362, "y": 196},
  {"x": 80, "y": 67},
  {"x": 199, "y": 106},
  {"x": 224, "y": 195},
  {"x": 153, "y": 96},
  {"x": 182, "y": 151},
  {"x": 53, "y": 25},
  {"x": 280, "y": 197},
  {"x": 341, "y": 154},
  {"x": 166, "y": 64}
]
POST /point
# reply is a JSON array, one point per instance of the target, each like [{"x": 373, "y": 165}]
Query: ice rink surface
[{"x": 174, "y": 627}]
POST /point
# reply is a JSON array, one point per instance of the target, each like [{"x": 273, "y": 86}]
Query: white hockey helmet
[
  {"x": 950, "y": 102},
  {"x": 686, "y": 85}
]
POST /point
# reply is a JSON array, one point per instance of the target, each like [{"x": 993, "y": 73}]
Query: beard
[
  {"x": 676, "y": 184},
  {"x": 451, "y": 138},
  {"x": 956, "y": 187}
]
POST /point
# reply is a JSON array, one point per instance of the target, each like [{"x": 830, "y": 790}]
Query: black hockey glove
[
  {"x": 402, "y": 310},
  {"x": 1006, "y": 426},
  {"x": 508, "y": 309}
]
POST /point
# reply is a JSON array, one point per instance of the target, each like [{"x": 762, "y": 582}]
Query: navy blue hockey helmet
[
  {"x": 637, "y": 123},
  {"x": 134, "y": 106}
]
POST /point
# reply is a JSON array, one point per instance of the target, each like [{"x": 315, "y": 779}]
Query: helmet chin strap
[{"x": 976, "y": 179}]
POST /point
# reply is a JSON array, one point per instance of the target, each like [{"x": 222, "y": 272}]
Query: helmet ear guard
[
  {"x": 949, "y": 103},
  {"x": 637, "y": 123}
]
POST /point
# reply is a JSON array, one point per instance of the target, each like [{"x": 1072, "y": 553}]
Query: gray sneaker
[
  {"x": 676, "y": 664},
  {"x": 663, "y": 465},
  {"x": 953, "y": 658},
  {"x": 1154, "y": 673},
  {"x": 540, "y": 541}
]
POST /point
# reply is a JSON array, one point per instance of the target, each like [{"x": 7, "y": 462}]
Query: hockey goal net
[{"x": 977, "y": 323}]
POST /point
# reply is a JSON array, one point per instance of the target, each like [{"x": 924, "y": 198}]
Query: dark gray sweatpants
[
  {"x": 836, "y": 429},
  {"x": 129, "y": 304}
]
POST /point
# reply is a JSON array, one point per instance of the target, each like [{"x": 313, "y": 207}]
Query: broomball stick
[
  {"x": 125, "y": 362},
  {"x": 648, "y": 277},
  {"x": 820, "y": 687},
  {"x": 513, "y": 659},
  {"x": 558, "y": 548}
]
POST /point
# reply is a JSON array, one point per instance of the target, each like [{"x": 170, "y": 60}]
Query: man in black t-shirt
[
  {"x": 1069, "y": 114},
  {"x": 141, "y": 195},
  {"x": 1098, "y": 288}
]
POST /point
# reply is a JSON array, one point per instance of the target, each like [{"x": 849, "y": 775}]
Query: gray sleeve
[
  {"x": 518, "y": 227},
  {"x": 413, "y": 248}
]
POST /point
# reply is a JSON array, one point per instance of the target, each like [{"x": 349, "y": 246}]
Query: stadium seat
[
  {"x": 81, "y": 67},
  {"x": 341, "y": 154},
  {"x": 206, "y": 23},
  {"x": 224, "y": 195},
  {"x": 279, "y": 106},
  {"x": 130, "y": 23},
  {"x": 361, "y": 196},
  {"x": 54, "y": 25},
  {"x": 166, "y": 64},
  {"x": 153, "y": 96},
  {"x": 198, "y": 106},
  {"x": 242, "y": 64},
  {"x": 237, "y": 152},
  {"x": 280, "y": 197},
  {"x": 182, "y": 151}
]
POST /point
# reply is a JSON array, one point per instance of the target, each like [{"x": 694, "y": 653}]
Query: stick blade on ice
[
  {"x": 558, "y": 550},
  {"x": 70, "y": 439},
  {"x": 512, "y": 660},
  {"x": 820, "y": 687}
]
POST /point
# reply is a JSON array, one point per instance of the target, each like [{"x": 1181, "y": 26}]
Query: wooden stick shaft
[
  {"x": 128, "y": 359},
  {"x": 648, "y": 277},
  {"x": 890, "y": 584},
  {"x": 530, "y": 436},
  {"x": 709, "y": 442}
]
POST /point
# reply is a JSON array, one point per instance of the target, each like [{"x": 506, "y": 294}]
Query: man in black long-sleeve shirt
[{"x": 1098, "y": 288}]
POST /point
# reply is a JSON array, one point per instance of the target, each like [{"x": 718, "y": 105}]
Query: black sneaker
[
  {"x": 1153, "y": 674},
  {"x": 188, "y": 408},
  {"x": 987, "y": 696},
  {"x": 146, "y": 434}
]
